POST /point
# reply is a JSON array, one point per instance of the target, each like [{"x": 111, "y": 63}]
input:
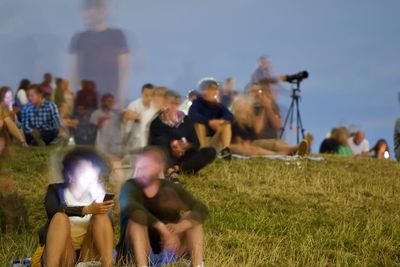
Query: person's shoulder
[
  {"x": 27, "y": 107},
  {"x": 156, "y": 121},
  {"x": 56, "y": 186},
  {"x": 50, "y": 103},
  {"x": 135, "y": 104},
  {"x": 129, "y": 184}
]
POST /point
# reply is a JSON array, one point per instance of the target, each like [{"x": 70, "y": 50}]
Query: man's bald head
[{"x": 359, "y": 137}]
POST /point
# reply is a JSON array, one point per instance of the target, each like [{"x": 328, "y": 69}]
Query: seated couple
[{"x": 157, "y": 215}]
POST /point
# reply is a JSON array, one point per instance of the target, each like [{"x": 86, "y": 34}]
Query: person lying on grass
[
  {"x": 79, "y": 227},
  {"x": 158, "y": 215}
]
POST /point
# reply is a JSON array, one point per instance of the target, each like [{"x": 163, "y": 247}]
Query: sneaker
[
  {"x": 303, "y": 148},
  {"x": 226, "y": 153},
  {"x": 173, "y": 177},
  {"x": 38, "y": 137}
]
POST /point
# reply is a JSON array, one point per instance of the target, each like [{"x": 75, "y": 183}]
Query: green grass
[{"x": 338, "y": 212}]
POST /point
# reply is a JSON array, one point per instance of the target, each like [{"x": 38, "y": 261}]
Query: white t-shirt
[
  {"x": 138, "y": 131},
  {"x": 79, "y": 225},
  {"x": 358, "y": 149}
]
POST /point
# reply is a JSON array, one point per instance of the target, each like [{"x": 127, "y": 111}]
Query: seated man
[
  {"x": 174, "y": 132},
  {"x": 138, "y": 116},
  {"x": 40, "y": 118},
  {"x": 358, "y": 144},
  {"x": 211, "y": 118},
  {"x": 267, "y": 113},
  {"x": 159, "y": 215},
  {"x": 246, "y": 127}
]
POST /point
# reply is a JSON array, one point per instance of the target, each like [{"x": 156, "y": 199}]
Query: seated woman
[
  {"x": 336, "y": 143},
  {"x": 246, "y": 127},
  {"x": 78, "y": 226},
  {"x": 174, "y": 132},
  {"x": 7, "y": 116},
  {"x": 380, "y": 150}
]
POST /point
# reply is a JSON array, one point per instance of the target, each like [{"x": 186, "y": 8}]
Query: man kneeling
[{"x": 158, "y": 215}]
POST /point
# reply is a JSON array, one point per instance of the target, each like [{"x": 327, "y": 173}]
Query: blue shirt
[
  {"x": 201, "y": 111},
  {"x": 45, "y": 117}
]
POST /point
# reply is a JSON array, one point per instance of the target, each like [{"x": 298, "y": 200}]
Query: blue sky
[{"x": 350, "y": 48}]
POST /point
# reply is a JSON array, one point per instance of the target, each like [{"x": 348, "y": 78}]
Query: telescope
[{"x": 298, "y": 77}]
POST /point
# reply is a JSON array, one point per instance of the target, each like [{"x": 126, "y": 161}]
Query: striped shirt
[{"x": 45, "y": 117}]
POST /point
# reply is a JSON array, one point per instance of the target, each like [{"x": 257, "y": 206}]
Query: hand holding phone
[{"x": 108, "y": 196}]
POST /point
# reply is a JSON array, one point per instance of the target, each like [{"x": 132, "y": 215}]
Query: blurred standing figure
[
  {"x": 100, "y": 53},
  {"x": 396, "y": 139},
  {"x": 45, "y": 86},
  {"x": 228, "y": 92},
  {"x": 358, "y": 144},
  {"x": 263, "y": 72}
]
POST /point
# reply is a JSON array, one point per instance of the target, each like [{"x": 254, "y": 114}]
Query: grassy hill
[{"x": 338, "y": 212}]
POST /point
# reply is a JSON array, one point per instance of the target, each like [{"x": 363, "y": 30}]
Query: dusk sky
[{"x": 350, "y": 49}]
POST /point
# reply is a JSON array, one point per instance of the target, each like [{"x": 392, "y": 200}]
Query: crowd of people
[{"x": 167, "y": 136}]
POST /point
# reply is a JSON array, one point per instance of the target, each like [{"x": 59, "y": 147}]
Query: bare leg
[
  {"x": 59, "y": 250},
  {"x": 226, "y": 135},
  {"x": 194, "y": 239},
  {"x": 201, "y": 134},
  {"x": 138, "y": 237},
  {"x": 276, "y": 145},
  {"x": 99, "y": 240},
  {"x": 13, "y": 129},
  {"x": 250, "y": 150}
]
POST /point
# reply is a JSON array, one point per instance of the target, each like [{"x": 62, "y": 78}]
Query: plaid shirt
[{"x": 45, "y": 117}]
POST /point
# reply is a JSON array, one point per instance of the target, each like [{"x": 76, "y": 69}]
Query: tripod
[{"x": 294, "y": 108}]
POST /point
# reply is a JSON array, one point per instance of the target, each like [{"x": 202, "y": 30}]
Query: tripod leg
[
  {"x": 300, "y": 128},
  {"x": 288, "y": 115}
]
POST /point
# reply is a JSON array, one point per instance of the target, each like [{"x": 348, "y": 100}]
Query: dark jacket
[
  {"x": 162, "y": 135},
  {"x": 167, "y": 206},
  {"x": 201, "y": 111}
]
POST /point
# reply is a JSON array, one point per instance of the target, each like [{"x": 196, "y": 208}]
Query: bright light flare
[{"x": 386, "y": 155}]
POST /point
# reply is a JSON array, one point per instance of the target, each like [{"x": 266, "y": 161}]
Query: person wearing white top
[
  {"x": 79, "y": 227},
  {"x": 137, "y": 117},
  {"x": 358, "y": 144}
]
